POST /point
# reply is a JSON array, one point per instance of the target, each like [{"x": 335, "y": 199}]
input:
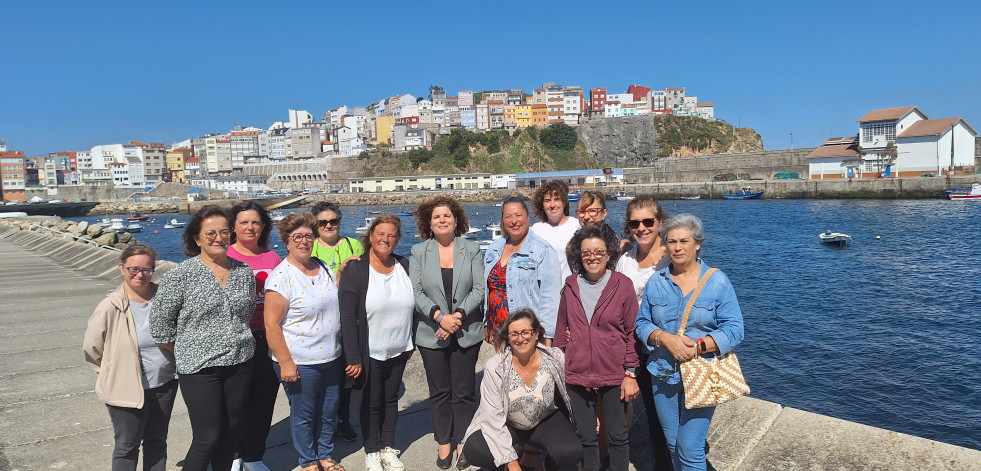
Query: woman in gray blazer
[{"x": 447, "y": 276}]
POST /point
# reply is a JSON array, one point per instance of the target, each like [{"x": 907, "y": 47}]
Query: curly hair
[
  {"x": 424, "y": 216},
  {"x": 263, "y": 216},
  {"x": 193, "y": 228},
  {"x": 503, "y": 336},
  {"x": 643, "y": 202},
  {"x": 394, "y": 220},
  {"x": 327, "y": 206},
  {"x": 553, "y": 187},
  {"x": 295, "y": 221},
  {"x": 604, "y": 232}
]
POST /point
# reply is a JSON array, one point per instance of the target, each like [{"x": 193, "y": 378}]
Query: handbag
[{"x": 709, "y": 383}]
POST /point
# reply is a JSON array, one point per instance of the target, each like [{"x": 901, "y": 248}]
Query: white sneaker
[
  {"x": 372, "y": 461},
  {"x": 254, "y": 466},
  {"x": 390, "y": 459},
  {"x": 237, "y": 464}
]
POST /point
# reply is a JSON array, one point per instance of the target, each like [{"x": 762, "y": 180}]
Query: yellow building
[
  {"x": 383, "y": 129},
  {"x": 522, "y": 116},
  {"x": 176, "y": 162}
]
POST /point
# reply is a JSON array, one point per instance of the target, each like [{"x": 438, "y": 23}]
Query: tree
[
  {"x": 559, "y": 136},
  {"x": 433, "y": 88},
  {"x": 461, "y": 156},
  {"x": 419, "y": 156}
]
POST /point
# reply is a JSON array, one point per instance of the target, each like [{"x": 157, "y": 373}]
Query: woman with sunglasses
[
  {"x": 303, "y": 324},
  {"x": 643, "y": 220},
  {"x": 202, "y": 312},
  {"x": 250, "y": 245},
  {"x": 598, "y": 307},
  {"x": 137, "y": 378},
  {"x": 334, "y": 249}
]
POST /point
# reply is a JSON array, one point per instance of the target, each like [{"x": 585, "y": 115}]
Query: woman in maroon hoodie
[{"x": 598, "y": 306}]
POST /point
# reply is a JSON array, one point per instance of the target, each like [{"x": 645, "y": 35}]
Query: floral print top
[
  {"x": 497, "y": 298},
  {"x": 208, "y": 324}
]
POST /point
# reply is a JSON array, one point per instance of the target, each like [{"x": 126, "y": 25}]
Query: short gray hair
[{"x": 685, "y": 221}]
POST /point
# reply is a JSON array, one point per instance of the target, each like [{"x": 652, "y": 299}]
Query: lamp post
[{"x": 791, "y": 141}]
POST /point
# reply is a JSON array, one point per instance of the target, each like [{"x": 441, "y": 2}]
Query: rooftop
[{"x": 888, "y": 114}]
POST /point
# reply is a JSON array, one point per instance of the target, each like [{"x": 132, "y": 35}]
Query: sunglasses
[
  {"x": 635, "y": 223},
  {"x": 328, "y": 222}
]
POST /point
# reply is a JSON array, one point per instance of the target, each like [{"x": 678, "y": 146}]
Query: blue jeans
[
  {"x": 313, "y": 408},
  {"x": 684, "y": 430}
]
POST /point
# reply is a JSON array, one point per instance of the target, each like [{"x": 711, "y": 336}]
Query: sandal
[
  {"x": 330, "y": 465},
  {"x": 311, "y": 467}
]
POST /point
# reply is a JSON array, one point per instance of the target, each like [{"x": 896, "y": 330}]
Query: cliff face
[{"x": 638, "y": 141}]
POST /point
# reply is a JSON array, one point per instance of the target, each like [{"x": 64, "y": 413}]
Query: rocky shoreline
[{"x": 82, "y": 232}]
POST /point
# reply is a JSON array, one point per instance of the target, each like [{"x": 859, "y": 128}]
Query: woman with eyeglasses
[
  {"x": 202, "y": 312},
  {"x": 592, "y": 208},
  {"x": 250, "y": 245},
  {"x": 303, "y": 325},
  {"x": 334, "y": 249},
  {"x": 524, "y": 406},
  {"x": 137, "y": 377},
  {"x": 551, "y": 204},
  {"x": 377, "y": 305},
  {"x": 643, "y": 220},
  {"x": 598, "y": 307}
]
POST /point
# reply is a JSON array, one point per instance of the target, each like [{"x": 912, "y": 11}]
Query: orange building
[{"x": 13, "y": 175}]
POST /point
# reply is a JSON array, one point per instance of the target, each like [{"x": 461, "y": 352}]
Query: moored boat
[
  {"x": 574, "y": 195},
  {"x": 691, "y": 197},
  {"x": 622, "y": 196},
  {"x": 403, "y": 212},
  {"x": 362, "y": 230},
  {"x": 972, "y": 193},
  {"x": 744, "y": 193},
  {"x": 137, "y": 217},
  {"x": 834, "y": 238},
  {"x": 495, "y": 231},
  {"x": 174, "y": 224}
]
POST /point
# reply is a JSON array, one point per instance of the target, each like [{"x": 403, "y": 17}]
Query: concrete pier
[{"x": 50, "y": 417}]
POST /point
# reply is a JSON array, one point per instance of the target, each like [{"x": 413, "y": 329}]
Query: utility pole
[{"x": 951, "y": 170}]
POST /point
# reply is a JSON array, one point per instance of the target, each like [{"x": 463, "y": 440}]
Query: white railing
[{"x": 75, "y": 238}]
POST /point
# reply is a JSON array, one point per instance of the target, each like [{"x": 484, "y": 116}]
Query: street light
[{"x": 791, "y": 141}]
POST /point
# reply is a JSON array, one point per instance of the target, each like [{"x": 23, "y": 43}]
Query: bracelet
[
  {"x": 700, "y": 346},
  {"x": 657, "y": 339},
  {"x": 439, "y": 320},
  {"x": 630, "y": 374}
]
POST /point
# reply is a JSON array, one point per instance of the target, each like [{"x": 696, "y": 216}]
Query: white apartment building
[
  {"x": 299, "y": 118},
  {"x": 612, "y": 109}
]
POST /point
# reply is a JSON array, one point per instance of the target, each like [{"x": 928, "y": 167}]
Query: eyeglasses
[
  {"x": 328, "y": 222},
  {"x": 635, "y": 223},
  {"x": 301, "y": 237},
  {"x": 590, "y": 211},
  {"x": 212, "y": 235},
  {"x": 133, "y": 271},
  {"x": 527, "y": 333},
  {"x": 593, "y": 254}
]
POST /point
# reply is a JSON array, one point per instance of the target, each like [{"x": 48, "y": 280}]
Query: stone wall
[
  {"x": 621, "y": 142},
  {"x": 754, "y": 165}
]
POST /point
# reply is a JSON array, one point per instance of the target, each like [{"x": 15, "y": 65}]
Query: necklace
[{"x": 220, "y": 272}]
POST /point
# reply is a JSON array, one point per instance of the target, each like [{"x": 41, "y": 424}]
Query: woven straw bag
[{"x": 710, "y": 383}]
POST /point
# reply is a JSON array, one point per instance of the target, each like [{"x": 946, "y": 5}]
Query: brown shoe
[
  {"x": 330, "y": 465},
  {"x": 311, "y": 467}
]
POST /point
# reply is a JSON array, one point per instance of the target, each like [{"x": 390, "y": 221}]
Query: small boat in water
[
  {"x": 834, "y": 238},
  {"x": 277, "y": 216},
  {"x": 472, "y": 233},
  {"x": 133, "y": 228},
  {"x": 495, "y": 231},
  {"x": 174, "y": 224},
  {"x": 622, "y": 196},
  {"x": 972, "y": 193},
  {"x": 137, "y": 217},
  {"x": 574, "y": 195},
  {"x": 403, "y": 212},
  {"x": 375, "y": 212},
  {"x": 744, "y": 193},
  {"x": 691, "y": 197},
  {"x": 362, "y": 230}
]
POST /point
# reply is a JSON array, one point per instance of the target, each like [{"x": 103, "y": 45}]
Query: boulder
[
  {"x": 107, "y": 238},
  {"x": 125, "y": 237},
  {"x": 93, "y": 230},
  {"x": 81, "y": 227}
]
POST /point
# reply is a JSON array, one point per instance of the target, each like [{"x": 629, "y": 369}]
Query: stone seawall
[{"x": 756, "y": 165}]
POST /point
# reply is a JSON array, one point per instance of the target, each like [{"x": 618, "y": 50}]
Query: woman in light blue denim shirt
[
  {"x": 715, "y": 327},
  {"x": 531, "y": 275}
]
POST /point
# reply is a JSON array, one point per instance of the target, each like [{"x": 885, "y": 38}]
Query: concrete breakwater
[{"x": 82, "y": 232}]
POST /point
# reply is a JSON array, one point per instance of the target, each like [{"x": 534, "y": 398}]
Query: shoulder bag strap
[{"x": 694, "y": 296}]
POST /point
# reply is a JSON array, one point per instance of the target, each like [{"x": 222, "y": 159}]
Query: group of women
[{"x": 577, "y": 337}]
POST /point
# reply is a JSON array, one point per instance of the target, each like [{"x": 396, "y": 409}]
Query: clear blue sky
[{"x": 78, "y": 74}]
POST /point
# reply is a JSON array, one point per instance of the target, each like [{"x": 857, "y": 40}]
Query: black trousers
[
  {"x": 260, "y": 402},
  {"x": 380, "y": 402},
  {"x": 555, "y": 435},
  {"x": 147, "y": 427},
  {"x": 452, "y": 390},
  {"x": 584, "y": 409},
  {"x": 659, "y": 444},
  {"x": 215, "y": 398}
]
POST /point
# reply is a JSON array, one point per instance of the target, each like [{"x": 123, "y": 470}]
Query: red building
[
  {"x": 597, "y": 99},
  {"x": 639, "y": 92}
]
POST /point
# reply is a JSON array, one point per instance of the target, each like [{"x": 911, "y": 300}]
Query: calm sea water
[{"x": 883, "y": 332}]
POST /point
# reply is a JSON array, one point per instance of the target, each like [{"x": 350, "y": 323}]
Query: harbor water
[{"x": 882, "y": 332}]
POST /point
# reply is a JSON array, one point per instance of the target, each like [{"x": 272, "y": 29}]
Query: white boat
[
  {"x": 495, "y": 231},
  {"x": 972, "y": 193},
  {"x": 622, "y": 196},
  {"x": 362, "y": 230},
  {"x": 277, "y": 216},
  {"x": 133, "y": 227},
  {"x": 834, "y": 238},
  {"x": 472, "y": 233},
  {"x": 691, "y": 197},
  {"x": 174, "y": 224}
]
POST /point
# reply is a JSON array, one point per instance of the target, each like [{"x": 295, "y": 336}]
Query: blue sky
[{"x": 78, "y": 74}]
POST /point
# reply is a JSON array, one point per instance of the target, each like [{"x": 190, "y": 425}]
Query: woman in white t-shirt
[
  {"x": 643, "y": 222},
  {"x": 377, "y": 297},
  {"x": 551, "y": 205},
  {"x": 303, "y": 328}
]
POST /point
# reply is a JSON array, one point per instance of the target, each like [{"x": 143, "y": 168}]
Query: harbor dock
[{"x": 50, "y": 417}]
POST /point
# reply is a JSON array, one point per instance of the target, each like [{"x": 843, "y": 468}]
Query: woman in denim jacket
[
  {"x": 522, "y": 271},
  {"x": 715, "y": 327}
]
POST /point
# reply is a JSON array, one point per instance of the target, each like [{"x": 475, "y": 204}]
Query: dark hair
[
  {"x": 588, "y": 197},
  {"x": 424, "y": 216},
  {"x": 295, "y": 221},
  {"x": 263, "y": 216},
  {"x": 193, "y": 228},
  {"x": 138, "y": 249},
  {"x": 557, "y": 187},
  {"x": 643, "y": 202},
  {"x": 326, "y": 206},
  {"x": 366, "y": 239},
  {"x": 604, "y": 232},
  {"x": 514, "y": 199},
  {"x": 502, "y": 335}
]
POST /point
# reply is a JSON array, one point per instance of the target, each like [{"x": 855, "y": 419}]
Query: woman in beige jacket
[{"x": 137, "y": 378}]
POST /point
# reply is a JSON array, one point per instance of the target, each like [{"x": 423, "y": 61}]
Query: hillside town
[{"x": 245, "y": 158}]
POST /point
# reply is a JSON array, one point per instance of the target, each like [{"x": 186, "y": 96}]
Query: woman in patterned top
[
  {"x": 202, "y": 312},
  {"x": 523, "y": 401},
  {"x": 303, "y": 325}
]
